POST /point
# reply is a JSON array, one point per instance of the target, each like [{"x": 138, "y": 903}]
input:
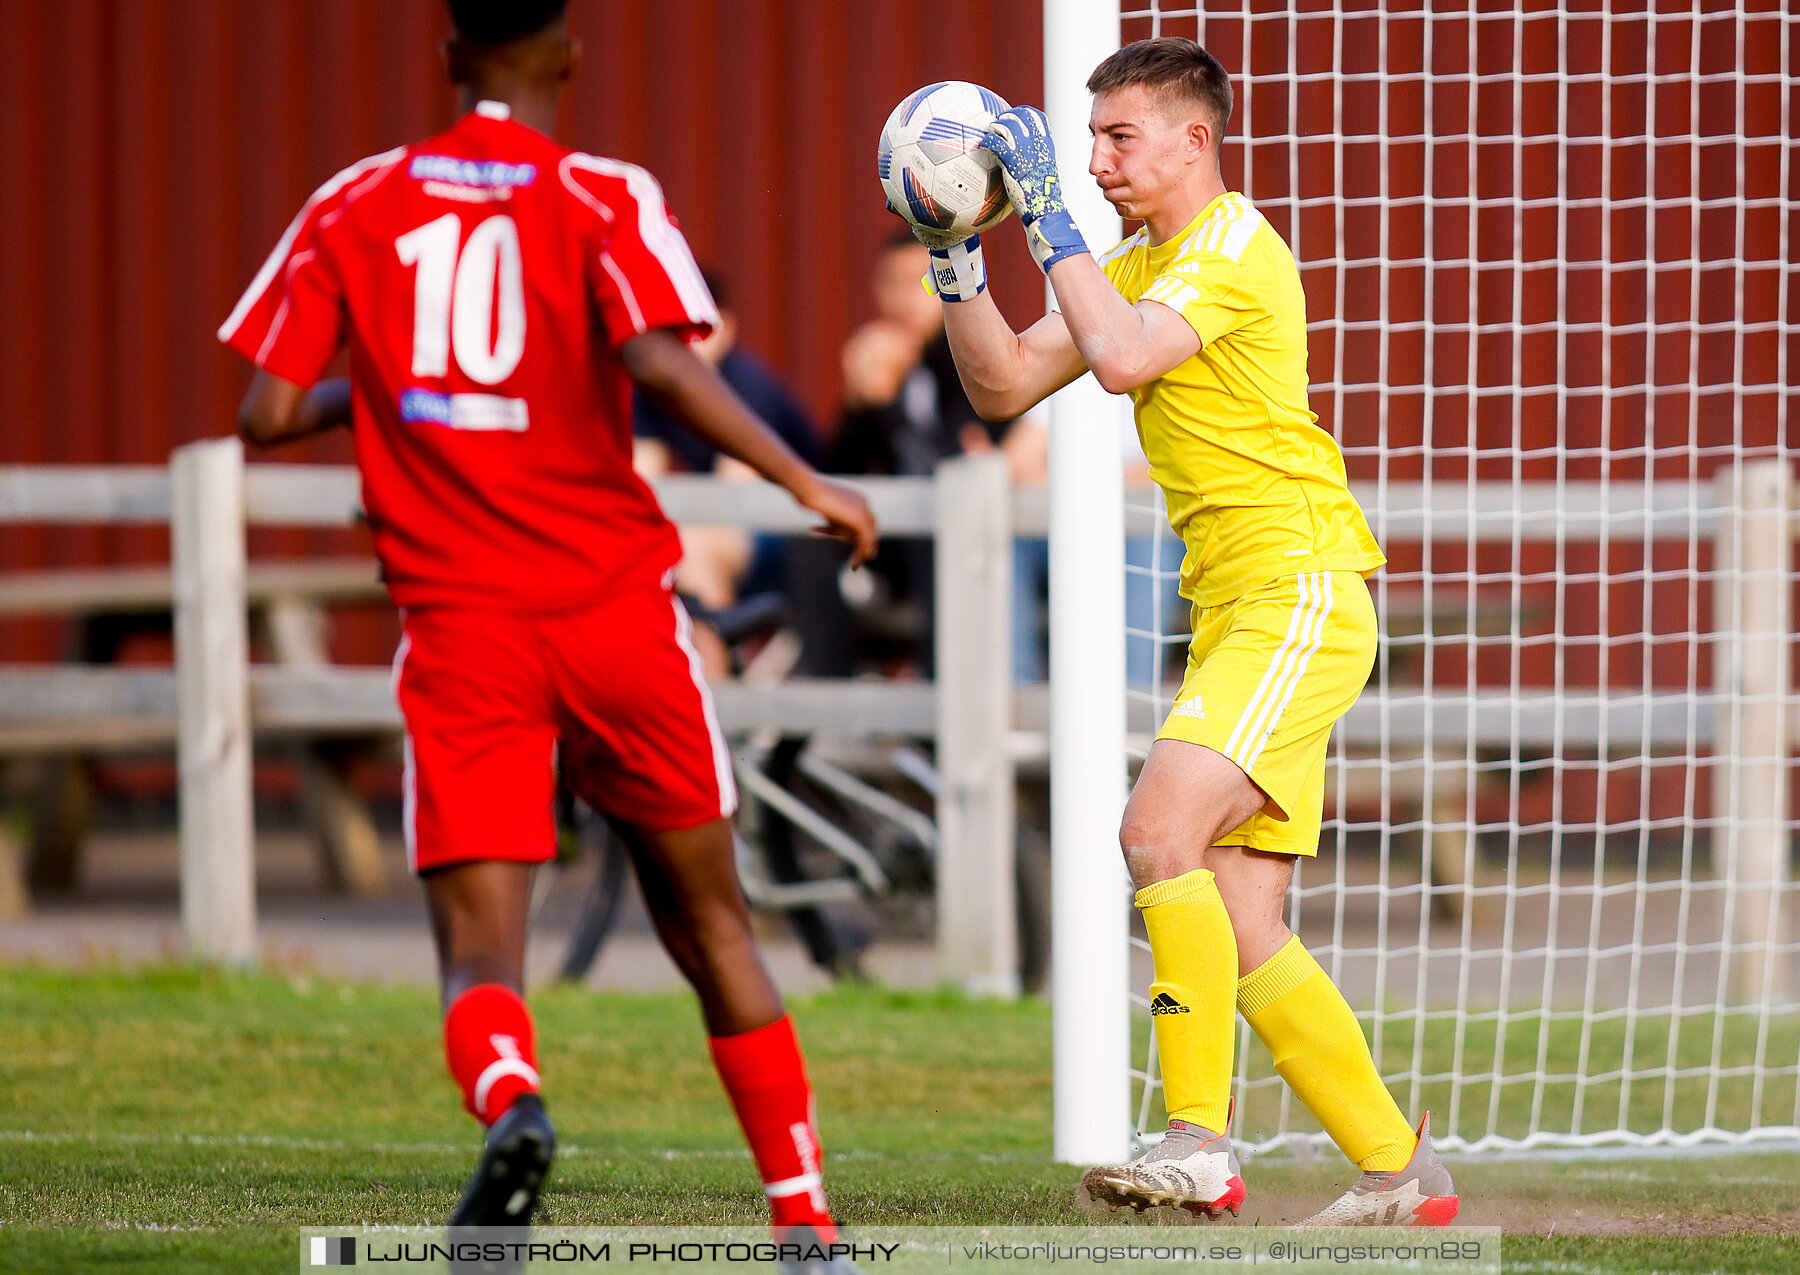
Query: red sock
[
  {"x": 492, "y": 1049},
  {"x": 765, "y": 1077}
]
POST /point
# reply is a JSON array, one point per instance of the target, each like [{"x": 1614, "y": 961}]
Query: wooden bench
[
  {"x": 84, "y": 591},
  {"x": 218, "y": 701},
  {"x": 209, "y": 497},
  {"x": 62, "y": 722}
]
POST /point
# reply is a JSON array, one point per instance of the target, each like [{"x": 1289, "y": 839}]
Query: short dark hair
[
  {"x": 503, "y": 21},
  {"x": 1173, "y": 63}
]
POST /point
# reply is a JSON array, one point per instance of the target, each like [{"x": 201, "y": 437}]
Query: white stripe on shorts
[
  {"x": 1272, "y": 674},
  {"x": 684, "y": 635},
  {"x": 409, "y": 774},
  {"x": 1313, "y": 638}
]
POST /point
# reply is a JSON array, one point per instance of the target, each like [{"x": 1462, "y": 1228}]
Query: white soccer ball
[{"x": 932, "y": 165}]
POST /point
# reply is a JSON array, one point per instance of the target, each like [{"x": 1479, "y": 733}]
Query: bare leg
[
  {"x": 478, "y": 917},
  {"x": 1187, "y": 797},
  {"x": 479, "y": 913},
  {"x": 691, "y": 887},
  {"x": 1254, "y": 885},
  {"x": 1186, "y": 800}
]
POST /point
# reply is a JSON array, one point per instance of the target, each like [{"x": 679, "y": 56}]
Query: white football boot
[
  {"x": 1420, "y": 1194},
  {"x": 1192, "y": 1169}
]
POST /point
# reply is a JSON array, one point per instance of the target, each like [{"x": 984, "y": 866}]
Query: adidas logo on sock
[{"x": 1166, "y": 1004}]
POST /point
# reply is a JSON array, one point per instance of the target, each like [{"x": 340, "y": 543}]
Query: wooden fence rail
[{"x": 214, "y": 700}]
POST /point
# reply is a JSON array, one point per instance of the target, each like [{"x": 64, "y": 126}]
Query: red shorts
[{"x": 490, "y": 697}]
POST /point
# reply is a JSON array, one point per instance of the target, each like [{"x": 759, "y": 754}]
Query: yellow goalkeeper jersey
[{"x": 1255, "y": 488}]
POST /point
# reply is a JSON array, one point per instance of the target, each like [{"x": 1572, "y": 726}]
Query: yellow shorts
[{"x": 1268, "y": 674}]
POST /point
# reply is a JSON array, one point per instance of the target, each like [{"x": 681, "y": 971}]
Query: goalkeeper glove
[
  {"x": 958, "y": 271},
  {"x": 1021, "y": 139}
]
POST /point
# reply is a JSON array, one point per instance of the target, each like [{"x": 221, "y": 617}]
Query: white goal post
[
  {"x": 1089, "y": 889},
  {"x": 1550, "y": 284}
]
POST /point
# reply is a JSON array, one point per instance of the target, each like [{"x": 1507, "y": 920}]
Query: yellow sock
[
  {"x": 1292, "y": 1005},
  {"x": 1191, "y": 998}
]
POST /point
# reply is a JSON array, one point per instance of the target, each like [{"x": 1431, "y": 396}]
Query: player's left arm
[
  {"x": 652, "y": 298},
  {"x": 1125, "y": 346},
  {"x": 691, "y": 390},
  {"x": 276, "y": 410}
]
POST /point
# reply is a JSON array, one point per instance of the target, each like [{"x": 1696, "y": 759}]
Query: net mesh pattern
[{"x": 1547, "y": 253}]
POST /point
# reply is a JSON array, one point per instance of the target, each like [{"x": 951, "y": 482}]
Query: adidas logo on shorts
[
  {"x": 1166, "y": 1004},
  {"x": 1189, "y": 708}
]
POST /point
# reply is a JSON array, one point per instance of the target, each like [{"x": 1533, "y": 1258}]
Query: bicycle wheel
[
  {"x": 599, "y": 909},
  {"x": 832, "y": 944},
  {"x": 1031, "y": 879}
]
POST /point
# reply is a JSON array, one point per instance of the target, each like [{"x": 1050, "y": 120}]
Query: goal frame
[{"x": 1746, "y": 511}]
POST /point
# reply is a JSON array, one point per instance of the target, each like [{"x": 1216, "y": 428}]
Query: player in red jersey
[{"x": 499, "y": 295}]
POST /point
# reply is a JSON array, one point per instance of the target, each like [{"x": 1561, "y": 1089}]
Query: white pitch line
[
  {"x": 278, "y": 1143},
  {"x": 222, "y": 1140}
]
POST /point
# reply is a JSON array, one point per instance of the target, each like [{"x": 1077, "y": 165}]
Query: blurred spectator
[
  {"x": 718, "y": 561},
  {"x": 754, "y": 382},
  {"x": 1156, "y": 616},
  {"x": 904, "y": 412},
  {"x": 904, "y": 406}
]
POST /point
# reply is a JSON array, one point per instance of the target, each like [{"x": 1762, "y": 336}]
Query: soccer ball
[{"x": 932, "y": 165}]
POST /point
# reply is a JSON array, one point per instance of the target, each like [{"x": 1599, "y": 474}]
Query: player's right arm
[
  {"x": 1006, "y": 373},
  {"x": 1125, "y": 346},
  {"x": 652, "y": 300},
  {"x": 275, "y": 410},
  {"x": 691, "y": 390}
]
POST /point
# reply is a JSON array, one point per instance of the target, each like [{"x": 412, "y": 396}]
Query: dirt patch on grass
[
  {"x": 1597, "y": 1222},
  {"x": 1512, "y": 1215}
]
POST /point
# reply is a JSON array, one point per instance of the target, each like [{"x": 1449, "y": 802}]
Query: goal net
[{"x": 1548, "y": 260}]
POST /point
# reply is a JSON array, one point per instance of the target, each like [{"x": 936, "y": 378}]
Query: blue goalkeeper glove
[
  {"x": 1021, "y": 139},
  {"x": 958, "y": 271}
]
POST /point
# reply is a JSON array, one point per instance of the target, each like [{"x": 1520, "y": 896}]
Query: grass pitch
[{"x": 188, "y": 1120}]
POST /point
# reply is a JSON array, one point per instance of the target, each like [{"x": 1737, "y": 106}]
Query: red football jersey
[{"x": 484, "y": 280}]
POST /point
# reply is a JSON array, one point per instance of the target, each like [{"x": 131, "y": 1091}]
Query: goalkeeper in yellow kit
[{"x": 1200, "y": 318}]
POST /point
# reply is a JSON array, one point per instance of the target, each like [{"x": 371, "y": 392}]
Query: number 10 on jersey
[{"x": 454, "y": 297}]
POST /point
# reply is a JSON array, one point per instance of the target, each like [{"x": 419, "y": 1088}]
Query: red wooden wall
[{"x": 160, "y": 147}]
